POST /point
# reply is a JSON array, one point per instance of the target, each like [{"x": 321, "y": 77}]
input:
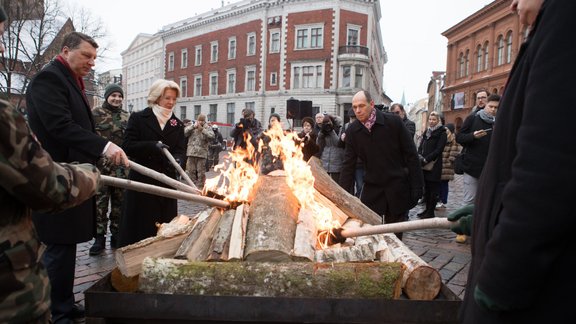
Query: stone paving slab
[{"x": 437, "y": 247}]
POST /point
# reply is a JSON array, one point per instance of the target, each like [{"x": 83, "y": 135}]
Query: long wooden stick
[
  {"x": 183, "y": 173},
  {"x": 398, "y": 227},
  {"x": 160, "y": 191},
  {"x": 163, "y": 178}
]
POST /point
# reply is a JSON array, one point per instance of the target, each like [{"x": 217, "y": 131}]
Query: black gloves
[
  {"x": 161, "y": 146},
  {"x": 464, "y": 219}
]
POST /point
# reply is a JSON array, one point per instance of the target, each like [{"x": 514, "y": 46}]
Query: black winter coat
[
  {"x": 391, "y": 162},
  {"x": 476, "y": 149},
  {"x": 60, "y": 116},
  {"x": 141, "y": 210},
  {"x": 431, "y": 149},
  {"x": 523, "y": 247}
]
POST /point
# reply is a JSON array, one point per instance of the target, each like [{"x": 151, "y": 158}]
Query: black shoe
[
  {"x": 113, "y": 242},
  {"x": 99, "y": 245},
  {"x": 77, "y": 312},
  {"x": 422, "y": 213}
]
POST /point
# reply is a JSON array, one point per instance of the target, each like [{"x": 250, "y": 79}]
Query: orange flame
[{"x": 238, "y": 176}]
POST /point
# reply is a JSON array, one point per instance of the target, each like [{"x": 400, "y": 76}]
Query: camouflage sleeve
[{"x": 28, "y": 173}]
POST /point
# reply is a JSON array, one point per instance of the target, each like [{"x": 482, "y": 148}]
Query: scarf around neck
[
  {"x": 486, "y": 117},
  {"x": 162, "y": 114},
  {"x": 432, "y": 129},
  {"x": 371, "y": 120}
]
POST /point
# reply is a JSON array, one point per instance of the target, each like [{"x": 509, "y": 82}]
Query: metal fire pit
[{"x": 104, "y": 305}]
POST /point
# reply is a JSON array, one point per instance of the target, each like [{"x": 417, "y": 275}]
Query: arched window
[
  {"x": 486, "y": 55},
  {"x": 461, "y": 65},
  {"x": 500, "y": 51},
  {"x": 467, "y": 63},
  {"x": 494, "y": 91},
  {"x": 479, "y": 62},
  {"x": 509, "y": 47}
]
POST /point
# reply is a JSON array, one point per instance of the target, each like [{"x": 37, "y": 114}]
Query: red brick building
[
  {"x": 260, "y": 53},
  {"x": 481, "y": 50}
]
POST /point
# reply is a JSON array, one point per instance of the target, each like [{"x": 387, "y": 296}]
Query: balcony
[{"x": 353, "y": 53}]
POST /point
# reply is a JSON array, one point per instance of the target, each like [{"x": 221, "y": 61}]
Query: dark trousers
[
  {"x": 431, "y": 191},
  {"x": 60, "y": 262},
  {"x": 396, "y": 218},
  {"x": 444, "y": 191},
  {"x": 359, "y": 181}
]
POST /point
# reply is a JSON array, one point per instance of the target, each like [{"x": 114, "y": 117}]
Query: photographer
[
  {"x": 248, "y": 125},
  {"x": 331, "y": 147}
]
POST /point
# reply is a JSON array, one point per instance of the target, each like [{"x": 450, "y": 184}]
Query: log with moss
[{"x": 272, "y": 279}]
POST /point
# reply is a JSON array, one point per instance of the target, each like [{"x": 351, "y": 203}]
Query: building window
[
  {"x": 353, "y": 37},
  {"x": 346, "y": 70},
  {"x": 213, "y": 83},
  {"x": 182, "y": 112},
  {"x": 250, "y": 78},
  {"x": 461, "y": 65},
  {"x": 231, "y": 76},
  {"x": 198, "y": 56},
  {"x": 213, "y": 52},
  {"x": 184, "y": 63},
  {"x": 306, "y": 76},
  {"x": 184, "y": 87},
  {"x": 273, "y": 78},
  {"x": 250, "y": 105},
  {"x": 359, "y": 77},
  {"x": 197, "y": 111},
  {"x": 251, "y": 49},
  {"x": 509, "y": 47},
  {"x": 309, "y": 37},
  {"x": 212, "y": 115},
  {"x": 232, "y": 48},
  {"x": 197, "y": 86},
  {"x": 479, "y": 61},
  {"x": 486, "y": 55},
  {"x": 230, "y": 110},
  {"x": 171, "y": 61},
  {"x": 467, "y": 63},
  {"x": 274, "y": 41},
  {"x": 500, "y": 51}
]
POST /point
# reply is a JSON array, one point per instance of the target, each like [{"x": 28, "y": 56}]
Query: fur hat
[
  {"x": 308, "y": 120},
  {"x": 111, "y": 88},
  {"x": 201, "y": 117}
]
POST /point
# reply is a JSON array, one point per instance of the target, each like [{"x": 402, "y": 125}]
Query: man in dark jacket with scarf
[
  {"x": 393, "y": 182},
  {"x": 59, "y": 113},
  {"x": 522, "y": 244}
]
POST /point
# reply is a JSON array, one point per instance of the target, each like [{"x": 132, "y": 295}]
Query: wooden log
[
  {"x": 305, "y": 238},
  {"x": 272, "y": 221},
  {"x": 350, "y": 205},
  {"x": 122, "y": 283},
  {"x": 201, "y": 220},
  {"x": 272, "y": 279},
  {"x": 383, "y": 252},
  {"x": 218, "y": 250},
  {"x": 129, "y": 258},
  {"x": 238, "y": 235},
  {"x": 337, "y": 213},
  {"x": 199, "y": 249},
  {"x": 341, "y": 254},
  {"x": 420, "y": 281}
]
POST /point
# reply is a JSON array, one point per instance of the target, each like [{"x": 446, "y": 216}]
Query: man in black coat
[
  {"x": 59, "y": 114},
  {"x": 393, "y": 182},
  {"x": 398, "y": 109},
  {"x": 523, "y": 250}
]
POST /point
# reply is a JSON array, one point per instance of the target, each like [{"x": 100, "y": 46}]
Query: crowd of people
[{"x": 510, "y": 150}]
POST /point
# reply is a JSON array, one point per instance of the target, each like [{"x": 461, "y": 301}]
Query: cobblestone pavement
[{"x": 437, "y": 247}]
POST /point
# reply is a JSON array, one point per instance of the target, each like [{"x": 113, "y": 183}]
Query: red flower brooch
[{"x": 173, "y": 122}]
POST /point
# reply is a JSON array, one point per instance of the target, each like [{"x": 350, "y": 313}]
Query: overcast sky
[{"x": 410, "y": 29}]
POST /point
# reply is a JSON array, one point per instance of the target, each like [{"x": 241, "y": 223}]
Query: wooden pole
[
  {"x": 160, "y": 191},
  {"x": 183, "y": 173},
  {"x": 163, "y": 178},
  {"x": 398, "y": 227}
]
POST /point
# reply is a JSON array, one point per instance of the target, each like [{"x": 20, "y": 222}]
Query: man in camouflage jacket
[
  {"x": 199, "y": 136},
  {"x": 30, "y": 179},
  {"x": 110, "y": 123}
]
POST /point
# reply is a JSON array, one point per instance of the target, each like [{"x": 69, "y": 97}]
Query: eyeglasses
[{"x": 481, "y": 97}]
